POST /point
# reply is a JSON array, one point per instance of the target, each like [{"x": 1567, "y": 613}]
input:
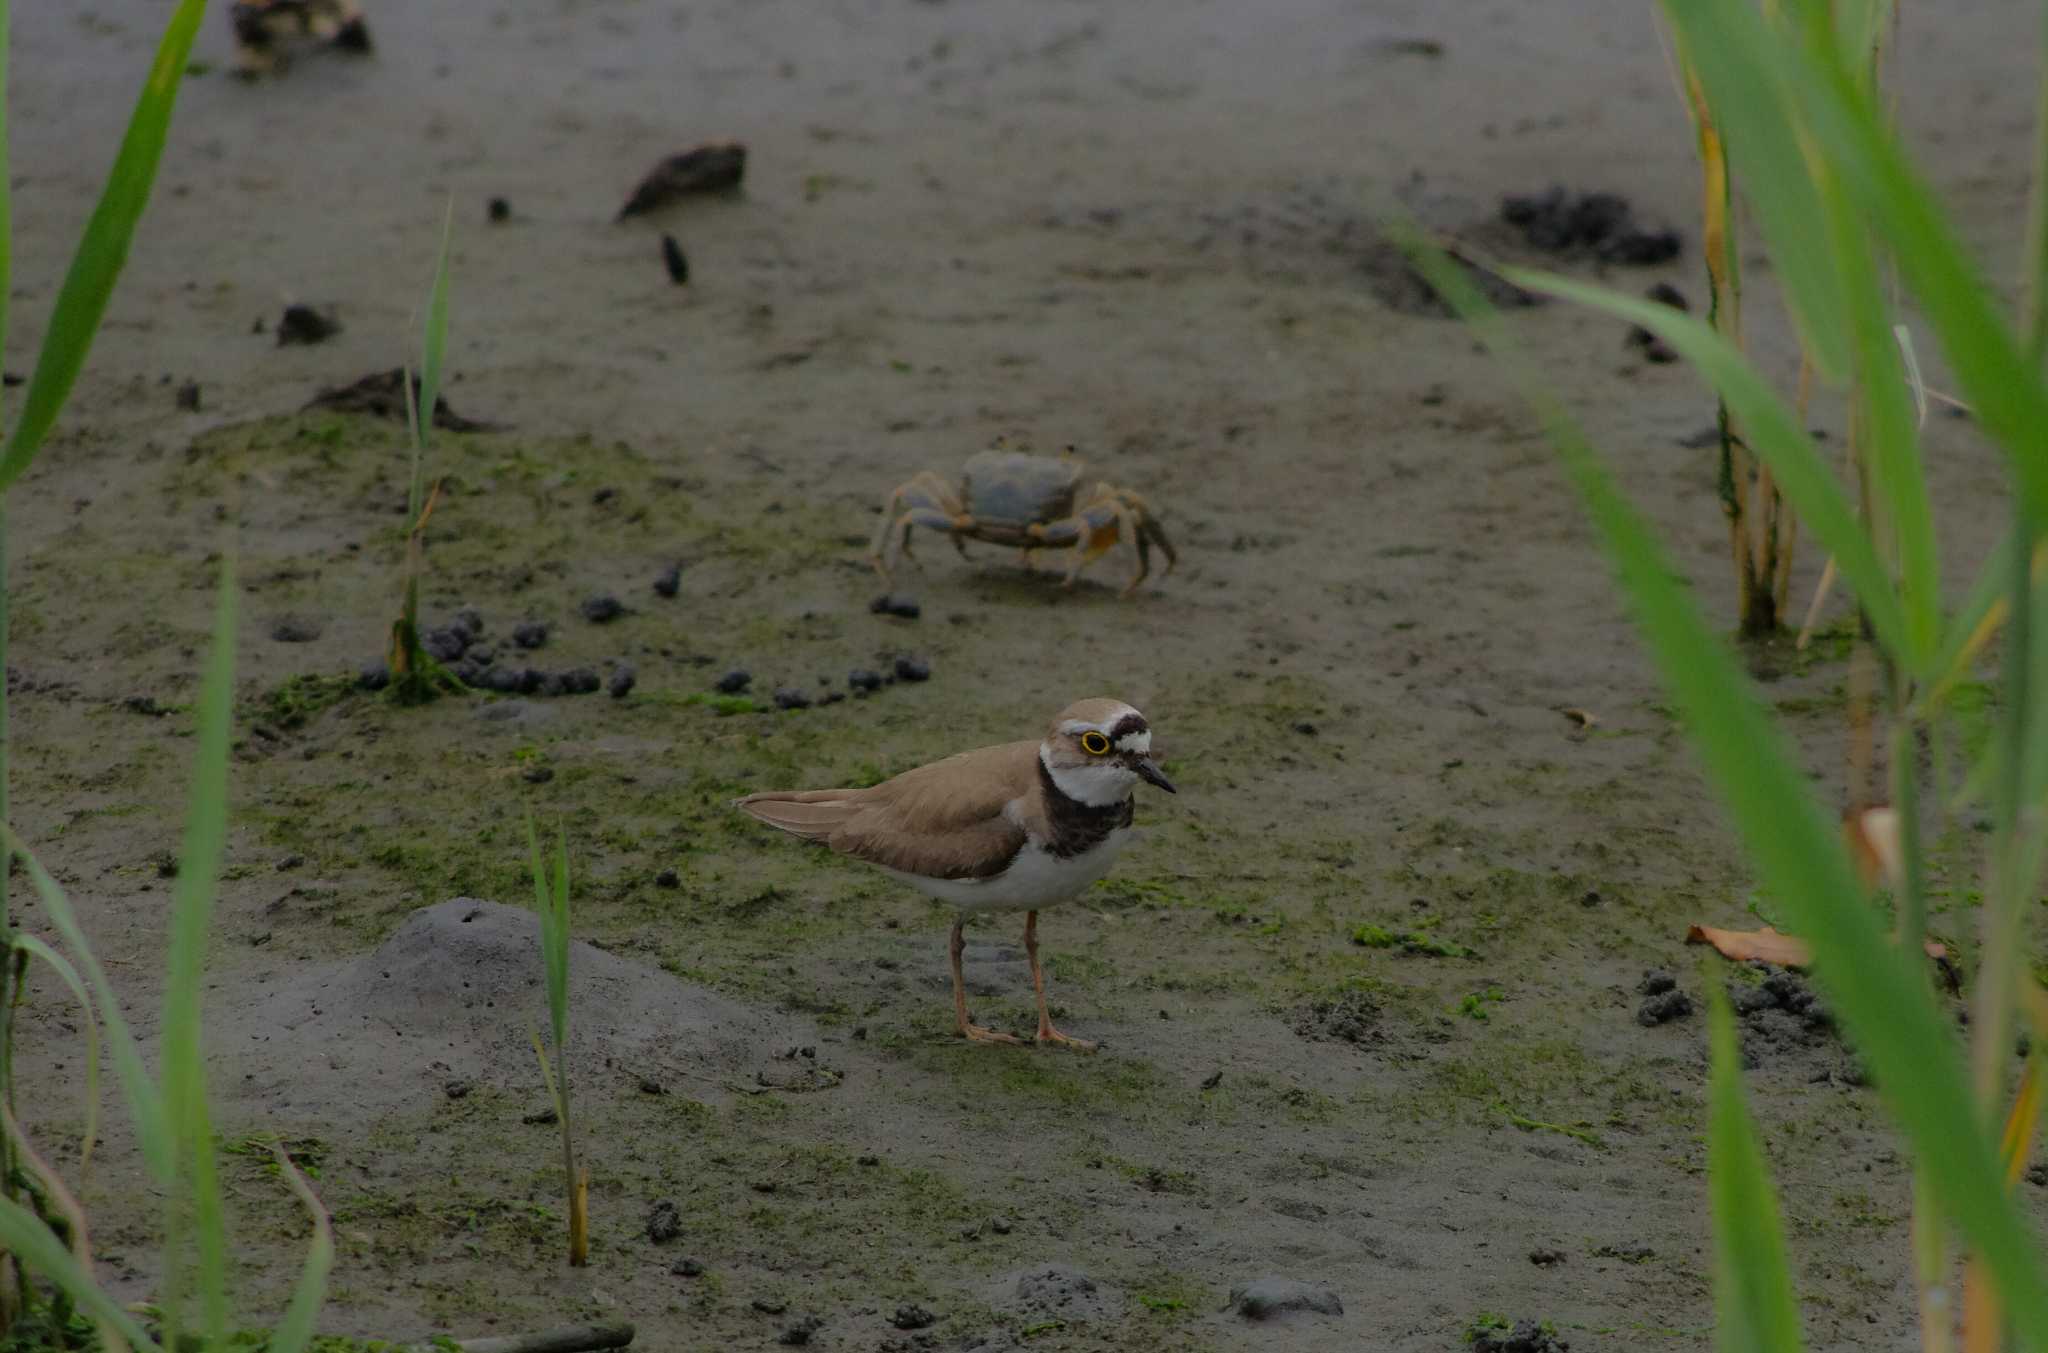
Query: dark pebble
[
  {"x": 1665, "y": 294},
  {"x": 913, "y": 669},
  {"x": 1002, "y": 1226},
  {"x": 1750, "y": 1000},
  {"x": 2037, "y": 1175},
  {"x": 651, "y": 1086},
  {"x": 1525, "y": 1337},
  {"x": 687, "y": 1268},
  {"x": 604, "y": 495},
  {"x": 373, "y": 676},
  {"x": 580, "y": 681},
  {"x": 669, "y": 581},
  {"x": 601, "y": 609},
  {"x": 294, "y": 629},
  {"x": 1546, "y": 1258},
  {"x": 789, "y": 697},
  {"x": 188, "y": 396},
  {"x": 668, "y": 878},
  {"x": 831, "y": 697},
  {"x": 540, "y": 1119},
  {"x": 861, "y": 679},
  {"x": 446, "y": 644},
  {"x": 455, "y": 1089},
  {"x": 912, "y": 1317},
  {"x": 799, "y": 1334},
  {"x": 1663, "y": 1009},
  {"x": 482, "y": 657},
  {"x": 538, "y": 775},
  {"x": 673, "y": 258},
  {"x": 735, "y": 681},
  {"x": 896, "y": 603},
  {"x": 304, "y": 324},
  {"x": 532, "y": 634},
  {"x": 504, "y": 680},
  {"x": 468, "y": 673},
  {"x": 1656, "y": 983},
  {"x": 622, "y": 680},
  {"x": 1305, "y": 728},
  {"x": 532, "y": 681},
  {"x": 290, "y": 862},
  {"x": 664, "y": 1223},
  {"x": 770, "y": 1305},
  {"x": 499, "y": 212}
]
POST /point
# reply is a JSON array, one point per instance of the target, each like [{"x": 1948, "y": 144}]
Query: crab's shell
[{"x": 1015, "y": 487}]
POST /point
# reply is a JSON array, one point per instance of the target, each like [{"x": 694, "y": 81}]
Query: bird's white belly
[{"x": 1036, "y": 878}]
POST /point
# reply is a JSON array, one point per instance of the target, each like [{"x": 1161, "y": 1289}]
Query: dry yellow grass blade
[
  {"x": 1982, "y": 1324},
  {"x": 579, "y": 1220}
]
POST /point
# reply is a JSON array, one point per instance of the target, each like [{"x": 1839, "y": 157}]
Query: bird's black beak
[{"x": 1149, "y": 771}]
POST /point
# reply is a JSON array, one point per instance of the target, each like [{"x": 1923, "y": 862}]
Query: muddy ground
[{"x": 1144, "y": 229}]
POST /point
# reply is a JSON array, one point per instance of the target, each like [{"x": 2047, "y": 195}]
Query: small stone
[
  {"x": 540, "y": 1119},
  {"x": 913, "y": 669},
  {"x": 1656, "y": 983},
  {"x": 2037, "y": 1175},
  {"x": 504, "y": 680},
  {"x": 1751, "y": 1000},
  {"x": 831, "y": 697},
  {"x": 304, "y": 324},
  {"x": 799, "y": 1334},
  {"x": 1270, "y": 1298},
  {"x": 601, "y": 609},
  {"x": 499, "y": 211},
  {"x": 446, "y": 644},
  {"x": 668, "y": 878},
  {"x": 455, "y": 1089},
  {"x": 789, "y": 697},
  {"x": 188, "y": 396},
  {"x": 532, "y": 681},
  {"x": 664, "y": 1223},
  {"x": 896, "y": 604},
  {"x": 290, "y": 862},
  {"x": 621, "y": 684},
  {"x": 532, "y": 634},
  {"x": 651, "y": 1086},
  {"x": 669, "y": 581},
  {"x": 1002, "y": 1226},
  {"x": 580, "y": 681},
  {"x": 770, "y": 1305},
  {"x": 538, "y": 775},
  {"x": 861, "y": 679},
  {"x": 687, "y": 1268},
  {"x": 1664, "y": 1008},
  {"x": 373, "y": 676},
  {"x": 869, "y": 1160},
  {"x": 1305, "y": 728},
  {"x": 735, "y": 681},
  {"x": 912, "y": 1317},
  {"x": 1546, "y": 1258},
  {"x": 673, "y": 258},
  {"x": 1526, "y": 1336}
]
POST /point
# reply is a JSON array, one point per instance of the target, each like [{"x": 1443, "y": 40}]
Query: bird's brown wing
[{"x": 944, "y": 820}]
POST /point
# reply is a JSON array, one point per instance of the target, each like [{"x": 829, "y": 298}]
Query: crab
[{"x": 1009, "y": 497}]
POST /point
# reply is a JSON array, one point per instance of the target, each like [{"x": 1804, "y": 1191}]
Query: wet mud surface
[{"x": 1382, "y": 1066}]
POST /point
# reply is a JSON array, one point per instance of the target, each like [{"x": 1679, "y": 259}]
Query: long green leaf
[
  {"x": 1771, "y": 431},
  {"x": 6, "y": 190},
  {"x": 435, "y": 341},
  {"x": 1836, "y": 117},
  {"x": 145, "y": 1105},
  {"x": 1879, "y": 990},
  {"x": 184, "y": 1065},
  {"x": 26, "y": 1235},
  {"x": 61, "y": 965},
  {"x": 1752, "y": 1283},
  {"x": 295, "y": 1330},
  {"x": 1751, "y": 109},
  {"x": 103, "y": 248}
]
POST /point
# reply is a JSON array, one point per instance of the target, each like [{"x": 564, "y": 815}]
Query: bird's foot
[
  {"x": 974, "y": 1033},
  {"x": 1048, "y": 1034}
]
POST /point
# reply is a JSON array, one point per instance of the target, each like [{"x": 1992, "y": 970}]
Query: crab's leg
[{"x": 923, "y": 493}]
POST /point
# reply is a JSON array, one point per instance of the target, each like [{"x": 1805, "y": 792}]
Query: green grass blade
[
  {"x": 1849, "y": 134},
  {"x": 1771, "y": 430},
  {"x": 295, "y": 1329},
  {"x": 1752, "y": 110},
  {"x": 25, "y": 1235},
  {"x": 1962, "y": 643},
  {"x": 435, "y": 341},
  {"x": 1880, "y": 991},
  {"x": 6, "y": 181},
  {"x": 558, "y": 948},
  {"x": 184, "y": 1067},
  {"x": 145, "y": 1105},
  {"x": 2034, "y": 263},
  {"x": 103, "y": 248},
  {"x": 61, "y": 965},
  {"x": 1752, "y": 1284}
]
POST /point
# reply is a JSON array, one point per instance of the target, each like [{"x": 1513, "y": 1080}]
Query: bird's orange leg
[
  {"x": 1046, "y": 1033},
  {"x": 973, "y": 1033}
]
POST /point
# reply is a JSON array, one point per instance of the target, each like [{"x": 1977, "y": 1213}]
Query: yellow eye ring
[{"x": 1094, "y": 744}]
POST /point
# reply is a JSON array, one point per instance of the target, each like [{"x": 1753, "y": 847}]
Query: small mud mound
[
  {"x": 1343, "y": 1017},
  {"x": 1055, "y": 1292},
  {"x": 454, "y": 995}
]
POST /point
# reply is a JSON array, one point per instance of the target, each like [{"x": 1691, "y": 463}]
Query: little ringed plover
[{"x": 1017, "y": 827}]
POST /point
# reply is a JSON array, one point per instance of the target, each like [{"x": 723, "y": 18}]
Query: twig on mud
[{"x": 1527, "y": 1124}]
